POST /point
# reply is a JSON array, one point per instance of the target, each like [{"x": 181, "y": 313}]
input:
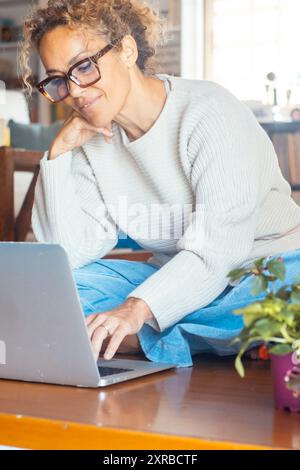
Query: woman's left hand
[{"x": 127, "y": 319}]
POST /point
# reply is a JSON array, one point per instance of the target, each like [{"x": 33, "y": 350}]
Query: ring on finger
[{"x": 107, "y": 330}]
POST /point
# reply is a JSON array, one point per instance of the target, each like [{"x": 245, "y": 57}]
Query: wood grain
[{"x": 207, "y": 406}]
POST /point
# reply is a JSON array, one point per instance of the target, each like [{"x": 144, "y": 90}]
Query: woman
[{"x": 181, "y": 166}]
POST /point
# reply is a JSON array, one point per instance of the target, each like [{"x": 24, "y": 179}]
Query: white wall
[{"x": 192, "y": 39}]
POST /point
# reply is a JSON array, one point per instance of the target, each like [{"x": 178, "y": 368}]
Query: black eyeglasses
[{"x": 84, "y": 73}]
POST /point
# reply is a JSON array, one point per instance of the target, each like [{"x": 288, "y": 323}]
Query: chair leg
[
  {"x": 6, "y": 196},
  {"x": 23, "y": 219}
]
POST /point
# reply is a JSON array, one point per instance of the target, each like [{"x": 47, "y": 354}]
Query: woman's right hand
[{"x": 75, "y": 132}]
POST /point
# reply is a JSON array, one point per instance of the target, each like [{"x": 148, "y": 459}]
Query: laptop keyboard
[{"x": 104, "y": 371}]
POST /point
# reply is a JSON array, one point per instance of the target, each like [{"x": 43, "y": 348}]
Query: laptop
[{"x": 43, "y": 335}]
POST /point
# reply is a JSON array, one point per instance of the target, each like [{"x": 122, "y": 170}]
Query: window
[{"x": 247, "y": 39}]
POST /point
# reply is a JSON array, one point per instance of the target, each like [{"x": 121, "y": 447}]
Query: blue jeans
[{"x": 105, "y": 284}]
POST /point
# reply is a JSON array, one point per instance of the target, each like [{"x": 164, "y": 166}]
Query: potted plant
[{"x": 273, "y": 323}]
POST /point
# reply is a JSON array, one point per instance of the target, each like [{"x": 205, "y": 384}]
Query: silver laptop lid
[{"x": 42, "y": 329}]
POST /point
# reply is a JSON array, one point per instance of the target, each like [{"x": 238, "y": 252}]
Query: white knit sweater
[{"x": 201, "y": 189}]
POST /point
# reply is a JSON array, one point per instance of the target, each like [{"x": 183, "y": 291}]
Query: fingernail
[{"x": 107, "y": 356}]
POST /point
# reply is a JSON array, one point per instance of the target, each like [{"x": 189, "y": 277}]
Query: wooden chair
[
  {"x": 11, "y": 160},
  {"x": 16, "y": 228}
]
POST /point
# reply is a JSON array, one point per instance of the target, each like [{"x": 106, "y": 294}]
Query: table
[{"x": 205, "y": 407}]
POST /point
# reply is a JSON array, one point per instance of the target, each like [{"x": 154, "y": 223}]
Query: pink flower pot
[{"x": 283, "y": 397}]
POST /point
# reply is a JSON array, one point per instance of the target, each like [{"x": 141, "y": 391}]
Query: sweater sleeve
[
  {"x": 69, "y": 210},
  {"x": 220, "y": 233}
]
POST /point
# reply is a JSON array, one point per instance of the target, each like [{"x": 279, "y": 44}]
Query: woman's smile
[{"x": 88, "y": 106}]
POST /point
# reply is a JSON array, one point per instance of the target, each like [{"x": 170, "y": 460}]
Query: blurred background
[{"x": 249, "y": 46}]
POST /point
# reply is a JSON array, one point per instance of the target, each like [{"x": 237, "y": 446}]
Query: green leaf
[
  {"x": 272, "y": 307},
  {"x": 236, "y": 274},
  {"x": 295, "y": 297},
  {"x": 294, "y": 309},
  {"x": 286, "y": 317},
  {"x": 260, "y": 263},
  {"x": 249, "y": 318},
  {"x": 277, "y": 268},
  {"x": 250, "y": 313},
  {"x": 239, "y": 367},
  {"x": 267, "y": 328},
  {"x": 259, "y": 285},
  {"x": 255, "y": 308},
  {"x": 281, "y": 349}
]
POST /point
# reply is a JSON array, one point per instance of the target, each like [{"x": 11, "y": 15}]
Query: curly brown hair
[{"x": 110, "y": 19}]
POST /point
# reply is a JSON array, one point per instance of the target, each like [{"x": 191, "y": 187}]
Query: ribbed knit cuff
[
  {"x": 60, "y": 165},
  {"x": 178, "y": 288}
]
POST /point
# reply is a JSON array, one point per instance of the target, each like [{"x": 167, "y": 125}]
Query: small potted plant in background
[{"x": 274, "y": 324}]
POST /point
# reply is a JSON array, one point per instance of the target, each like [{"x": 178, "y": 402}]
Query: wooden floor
[{"x": 207, "y": 406}]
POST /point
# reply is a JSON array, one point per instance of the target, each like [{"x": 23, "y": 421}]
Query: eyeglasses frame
[{"x": 68, "y": 76}]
